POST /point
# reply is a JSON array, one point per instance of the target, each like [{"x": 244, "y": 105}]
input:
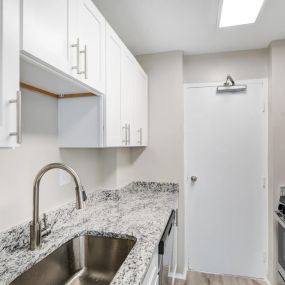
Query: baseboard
[{"x": 183, "y": 275}]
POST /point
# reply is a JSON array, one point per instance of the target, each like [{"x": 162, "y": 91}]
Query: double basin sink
[{"x": 82, "y": 260}]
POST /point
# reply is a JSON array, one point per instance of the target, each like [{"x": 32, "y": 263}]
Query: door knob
[{"x": 194, "y": 178}]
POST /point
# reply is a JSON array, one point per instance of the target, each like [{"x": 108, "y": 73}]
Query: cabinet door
[
  {"x": 9, "y": 71},
  {"x": 91, "y": 34},
  {"x": 127, "y": 98},
  {"x": 140, "y": 115},
  {"x": 113, "y": 131},
  {"x": 151, "y": 277},
  {"x": 144, "y": 91},
  {"x": 45, "y": 31}
]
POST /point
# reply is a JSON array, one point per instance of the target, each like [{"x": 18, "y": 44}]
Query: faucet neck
[{"x": 80, "y": 200}]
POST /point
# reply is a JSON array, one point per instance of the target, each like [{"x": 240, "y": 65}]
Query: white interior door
[{"x": 225, "y": 148}]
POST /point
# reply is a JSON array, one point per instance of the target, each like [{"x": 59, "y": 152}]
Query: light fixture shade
[{"x": 239, "y": 12}]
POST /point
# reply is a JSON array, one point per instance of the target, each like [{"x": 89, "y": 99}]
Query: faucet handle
[
  {"x": 45, "y": 220},
  {"x": 84, "y": 195},
  {"x": 46, "y": 230}
]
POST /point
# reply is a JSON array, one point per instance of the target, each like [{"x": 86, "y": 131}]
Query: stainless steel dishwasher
[{"x": 165, "y": 253}]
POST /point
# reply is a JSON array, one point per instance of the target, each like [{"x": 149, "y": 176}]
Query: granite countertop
[{"x": 140, "y": 210}]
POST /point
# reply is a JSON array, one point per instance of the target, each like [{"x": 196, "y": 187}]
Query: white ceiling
[{"x": 150, "y": 26}]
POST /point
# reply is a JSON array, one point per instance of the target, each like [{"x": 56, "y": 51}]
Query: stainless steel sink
[{"x": 82, "y": 260}]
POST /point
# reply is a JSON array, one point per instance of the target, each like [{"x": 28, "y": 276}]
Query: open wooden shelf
[{"x": 54, "y": 95}]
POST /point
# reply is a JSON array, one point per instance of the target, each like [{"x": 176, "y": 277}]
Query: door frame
[{"x": 264, "y": 82}]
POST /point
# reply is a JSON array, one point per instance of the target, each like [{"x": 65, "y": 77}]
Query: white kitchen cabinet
[
  {"x": 134, "y": 111},
  {"x": 140, "y": 106},
  {"x": 151, "y": 277},
  {"x": 112, "y": 104},
  {"x": 68, "y": 42},
  {"x": 45, "y": 26},
  {"x": 119, "y": 117},
  {"x": 134, "y": 103},
  {"x": 128, "y": 78},
  {"x": 66, "y": 37},
  {"x": 10, "y": 96},
  {"x": 80, "y": 122},
  {"x": 126, "y": 96},
  {"x": 90, "y": 30}
]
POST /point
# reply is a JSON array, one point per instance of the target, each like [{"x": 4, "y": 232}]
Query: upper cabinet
[
  {"x": 140, "y": 108},
  {"x": 128, "y": 78},
  {"x": 112, "y": 105},
  {"x": 66, "y": 49},
  {"x": 126, "y": 96},
  {"x": 91, "y": 36},
  {"x": 10, "y": 96},
  {"x": 121, "y": 112},
  {"x": 134, "y": 103},
  {"x": 67, "y": 36},
  {"x": 45, "y": 26}
]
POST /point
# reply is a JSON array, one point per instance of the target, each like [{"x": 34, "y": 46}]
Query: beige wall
[
  {"x": 249, "y": 64},
  {"x": 162, "y": 160},
  {"x": 96, "y": 168},
  {"x": 276, "y": 143}
]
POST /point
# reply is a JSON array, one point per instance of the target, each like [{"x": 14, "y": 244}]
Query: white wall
[
  {"x": 276, "y": 143},
  {"x": 248, "y": 64},
  {"x": 162, "y": 160},
  {"x": 96, "y": 168}
]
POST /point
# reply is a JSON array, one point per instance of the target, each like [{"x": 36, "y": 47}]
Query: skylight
[{"x": 239, "y": 12}]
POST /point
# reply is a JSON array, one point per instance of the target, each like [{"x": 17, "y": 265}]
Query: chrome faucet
[{"x": 35, "y": 227}]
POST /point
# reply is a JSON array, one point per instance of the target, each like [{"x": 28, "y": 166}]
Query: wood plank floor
[{"x": 197, "y": 278}]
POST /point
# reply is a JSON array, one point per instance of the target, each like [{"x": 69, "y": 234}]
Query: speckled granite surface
[{"x": 139, "y": 210}]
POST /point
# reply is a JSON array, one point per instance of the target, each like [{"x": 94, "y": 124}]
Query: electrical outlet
[
  {"x": 264, "y": 257},
  {"x": 64, "y": 178}
]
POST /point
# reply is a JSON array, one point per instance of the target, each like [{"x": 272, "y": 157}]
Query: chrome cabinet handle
[
  {"x": 140, "y": 134},
  {"x": 77, "y": 46},
  {"x": 85, "y": 62},
  {"x": 125, "y": 130},
  {"x": 18, "y": 103}
]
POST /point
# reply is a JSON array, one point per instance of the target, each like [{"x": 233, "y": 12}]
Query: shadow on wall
[{"x": 136, "y": 153}]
